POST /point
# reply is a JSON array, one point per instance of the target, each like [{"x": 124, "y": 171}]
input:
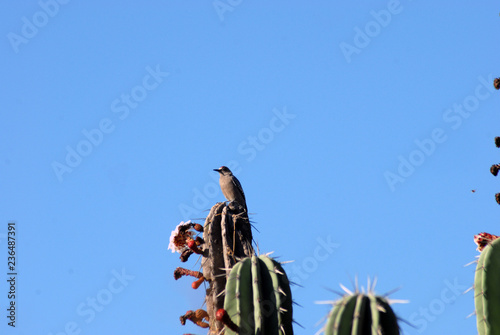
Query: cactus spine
[
  {"x": 487, "y": 290},
  {"x": 258, "y": 297}
]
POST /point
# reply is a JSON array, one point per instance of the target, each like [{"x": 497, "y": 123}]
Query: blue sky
[{"x": 357, "y": 130}]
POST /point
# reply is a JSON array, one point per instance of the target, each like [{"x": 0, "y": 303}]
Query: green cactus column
[
  {"x": 359, "y": 314},
  {"x": 487, "y": 290},
  {"x": 258, "y": 298}
]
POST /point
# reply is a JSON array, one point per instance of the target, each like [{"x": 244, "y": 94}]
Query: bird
[{"x": 231, "y": 187}]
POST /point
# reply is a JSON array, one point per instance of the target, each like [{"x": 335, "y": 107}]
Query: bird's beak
[{"x": 218, "y": 170}]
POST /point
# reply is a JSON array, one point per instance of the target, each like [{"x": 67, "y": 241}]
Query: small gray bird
[{"x": 231, "y": 187}]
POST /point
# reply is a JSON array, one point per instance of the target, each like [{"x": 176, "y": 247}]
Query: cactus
[
  {"x": 228, "y": 237},
  {"x": 487, "y": 277},
  {"x": 487, "y": 290},
  {"x": 258, "y": 298},
  {"x": 361, "y": 313}
]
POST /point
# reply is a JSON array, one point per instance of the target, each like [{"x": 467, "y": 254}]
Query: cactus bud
[{"x": 223, "y": 317}]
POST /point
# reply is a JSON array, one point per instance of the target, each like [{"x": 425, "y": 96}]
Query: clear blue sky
[{"x": 357, "y": 131}]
